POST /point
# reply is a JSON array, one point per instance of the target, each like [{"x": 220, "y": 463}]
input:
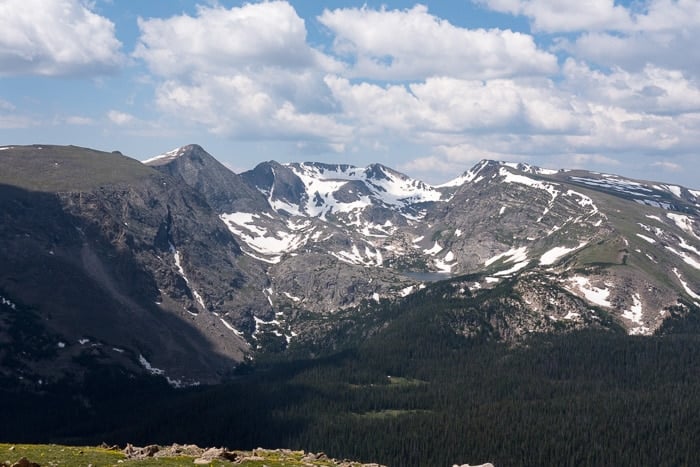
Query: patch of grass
[
  {"x": 66, "y": 168},
  {"x": 57, "y": 455},
  {"x": 401, "y": 381},
  {"x": 389, "y": 413},
  {"x": 603, "y": 253}
]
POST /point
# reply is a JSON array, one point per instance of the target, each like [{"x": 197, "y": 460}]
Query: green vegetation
[
  {"x": 61, "y": 455},
  {"x": 57, "y": 455},
  {"x": 407, "y": 390},
  {"x": 66, "y": 168}
]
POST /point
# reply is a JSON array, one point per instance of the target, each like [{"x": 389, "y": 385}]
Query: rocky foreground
[
  {"x": 205, "y": 456},
  {"x": 55, "y": 455},
  {"x": 34, "y": 455}
]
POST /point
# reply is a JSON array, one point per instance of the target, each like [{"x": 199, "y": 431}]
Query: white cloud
[
  {"x": 667, "y": 166},
  {"x": 566, "y": 15},
  {"x": 55, "y": 38},
  {"x": 247, "y": 106},
  {"x": 217, "y": 40},
  {"x": 439, "y": 107},
  {"x": 15, "y": 122},
  {"x": 659, "y": 32},
  {"x": 244, "y": 72},
  {"x": 581, "y": 161},
  {"x": 79, "y": 121},
  {"x": 653, "y": 89},
  {"x": 4, "y": 105},
  {"x": 413, "y": 44},
  {"x": 671, "y": 49},
  {"x": 121, "y": 118},
  {"x": 410, "y": 78}
]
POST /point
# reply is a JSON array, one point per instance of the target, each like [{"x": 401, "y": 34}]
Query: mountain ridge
[{"x": 270, "y": 258}]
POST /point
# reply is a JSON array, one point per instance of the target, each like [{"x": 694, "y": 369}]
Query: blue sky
[{"x": 427, "y": 88}]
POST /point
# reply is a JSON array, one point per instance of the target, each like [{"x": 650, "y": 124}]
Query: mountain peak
[
  {"x": 223, "y": 189},
  {"x": 174, "y": 154}
]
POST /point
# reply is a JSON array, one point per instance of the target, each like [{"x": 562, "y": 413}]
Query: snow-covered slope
[{"x": 625, "y": 247}]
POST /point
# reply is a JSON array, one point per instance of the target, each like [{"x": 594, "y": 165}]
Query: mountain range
[{"x": 179, "y": 267}]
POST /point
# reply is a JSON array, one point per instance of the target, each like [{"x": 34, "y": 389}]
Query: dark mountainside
[{"x": 351, "y": 310}]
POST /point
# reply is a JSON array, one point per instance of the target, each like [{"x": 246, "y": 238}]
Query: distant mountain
[
  {"x": 188, "y": 268},
  {"x": 223, "y": 189},
  {"x": 620, "y": 246}
]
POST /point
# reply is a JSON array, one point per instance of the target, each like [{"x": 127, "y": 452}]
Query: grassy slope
[
  {"x": 56, "y": 455},
  {"x": 66, "y": 168}
]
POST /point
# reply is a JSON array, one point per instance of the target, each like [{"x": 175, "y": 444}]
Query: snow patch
[
  {"x": 553, "y": 255},
  {"x": 176, "y": 383},
  {"x": 648, "y": 239},
  {"x": 150, "y": 368},
  {"x": 523, "y": 180},
  {"x": 592, "y": 294},
  {"x": 675, "y": 190},
  {"x": 231, "y": 328},
  {"x": 635, "y": 315},
  {"x": 257, "y": 238},
  {"x": 291, "y": 297},
  {"x": 513, "y": 255},
  {"x": 434, "y": 250},
  {"x": 688, "y": 247},
  {"x": 685, "y": 256},
  {"x": 472, "y": 175},
  {"x": 7, "y": 302},
  {"x": 687, "y": 289},
  {"x": 178, "y": 264},
  {"x": 684, "y": 223},
  {"x": 583, "y": 200},
  {"x": 165, "y": 157},
  {"x": 517, "y": 267},
  {"x": 572, "y": 316}
]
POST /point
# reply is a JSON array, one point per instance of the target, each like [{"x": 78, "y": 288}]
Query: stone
[{"x": 24, "y": 462}]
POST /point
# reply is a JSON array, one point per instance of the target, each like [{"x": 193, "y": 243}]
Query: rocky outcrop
[{"x": 205, "y": 456}]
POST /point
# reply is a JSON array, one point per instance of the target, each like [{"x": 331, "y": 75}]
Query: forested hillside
[{"x": 399, "y": 398}]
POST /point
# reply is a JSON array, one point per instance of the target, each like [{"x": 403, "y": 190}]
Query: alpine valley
[{"x": 178, "y": 268}]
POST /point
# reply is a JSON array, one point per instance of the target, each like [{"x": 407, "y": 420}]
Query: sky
[{"x": 426, "y": 88}]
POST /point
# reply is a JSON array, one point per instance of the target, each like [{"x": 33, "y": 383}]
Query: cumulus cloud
[
  {"x": 413, "y": 44},
  {"x": 667, "y": 166},
  {"x": 56, "y": 38},
  {"x": 662, "y": 32},
  {"x": 671, "y": 49},
  {"x": 121, "y": 118},
  {"x": 442, "y": 106},
  {"x": 652, "y": 90},
  {"x": 79, "y": 121},
  {"x": 217, "y": 39},
  {"x": 566, "y": 15},
  {"x": 244, "y": 72},
  {"x": 394, "y": 77}
]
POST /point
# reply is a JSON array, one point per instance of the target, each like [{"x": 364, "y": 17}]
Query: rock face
[
  {"x": 223, "y": 190},
  {"x": 182, "y": 268},
  {"x": 136, "y": 269}
]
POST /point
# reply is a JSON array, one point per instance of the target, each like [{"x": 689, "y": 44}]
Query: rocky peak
[{"x": 224, "y": 190}]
